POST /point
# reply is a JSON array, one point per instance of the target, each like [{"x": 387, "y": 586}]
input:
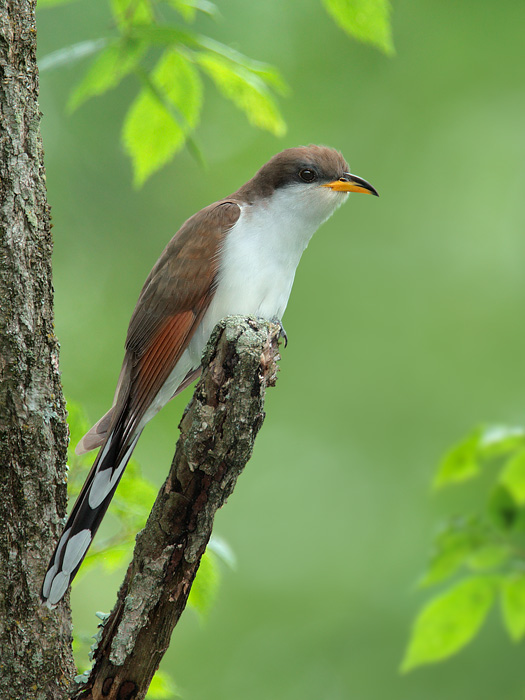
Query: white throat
[{"x": 262, "y": 251}]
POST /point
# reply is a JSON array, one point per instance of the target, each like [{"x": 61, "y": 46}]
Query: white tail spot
[
  {"x": 58, "y": 588},
  {"x": 53, "y": 569},
  {"x": 75, "y": 550}
]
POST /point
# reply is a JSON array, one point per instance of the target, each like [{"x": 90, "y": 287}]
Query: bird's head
[{"x": 313, "y": 179}]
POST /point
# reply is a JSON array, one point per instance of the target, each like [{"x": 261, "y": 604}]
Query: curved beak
[{"x": 351, "y": 183}]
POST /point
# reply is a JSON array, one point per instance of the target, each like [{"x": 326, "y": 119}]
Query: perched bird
[{"x": 236, "y": 256}]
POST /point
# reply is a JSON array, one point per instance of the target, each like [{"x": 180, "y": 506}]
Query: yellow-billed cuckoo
[{"x": 236, "y": 256}]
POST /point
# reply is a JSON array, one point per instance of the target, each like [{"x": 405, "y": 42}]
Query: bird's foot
[{"x": 282, "y": 332}]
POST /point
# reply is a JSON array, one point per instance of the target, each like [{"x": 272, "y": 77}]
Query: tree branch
[{"x": 218, "y": 431}]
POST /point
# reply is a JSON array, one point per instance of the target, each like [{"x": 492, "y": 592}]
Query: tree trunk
[{"x": 35, "y": 645}]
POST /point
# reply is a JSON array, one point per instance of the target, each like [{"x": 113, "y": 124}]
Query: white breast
[
  {"x": 261, "y": 253},
  {"x": 257, "y": 266}
]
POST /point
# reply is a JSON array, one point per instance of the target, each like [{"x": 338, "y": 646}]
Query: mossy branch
[{"x": 218, "y": 431}]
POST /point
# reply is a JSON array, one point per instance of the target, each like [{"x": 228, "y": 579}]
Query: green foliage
[
  {"x": 487, "y": 543},
  {"x": 162, "y": 687},
  {"x": 450, "y": 621},
  {"x": 165, "y": 113},
  {"x": 513, "y": 605},
  {"x": 452, "y": 547},
  {"x": 461, "y": 463},
  {"x": 513, "y": 477},
  {"x": 128, "y": 13},
  {"x": 188, "y": 8},
  {"x": 246, "y": 89},
  {"x": 112, "y": 64},
  {"x": 365, "y": 20},
  {"x": 204, "y": 589},
  {"x": 206, "y": 585},
  {"x": 71, "y": 54},
  {"x": 465, "y": 459}
]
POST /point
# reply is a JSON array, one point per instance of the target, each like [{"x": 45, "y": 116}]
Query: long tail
[{"x": 87, "y": 514}]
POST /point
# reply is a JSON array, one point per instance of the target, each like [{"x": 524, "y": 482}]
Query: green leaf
[
  {"x": 188, "y": 8},
  {"x": 513, "y": 477},
  {"x": 111, "y": 555},
  {"x": 489, "y": 556},
  {"x": 78, "y": 465},
  {"x": 185, "y": 9},
  {"x": 204, "y": 589},
  {"x": 518, "y": 527},
  {"x": 513, "y": 605},
  {"x": 461, "y": 463},
  {"x": 500, "y": 440},
  {"x": 452, "y": 549},
  {"x": 77, "y": 422},
  {"x": 130, "y": 12},
  {"x": 163, "y": 35},
  {"x": 449, "y": 622},
  {"x": 159, "y": 120},
  {"x": 71, "y": 54},
  {"x": 246, "y": 89},
  {"x": 107, "y": 70},
  {"x": 269, "y": 74},
  {"x": 166, "y": 35},
  {"x": 365, "y": 20},
  {"x": 135, "y": 495},
  {"x": 502, "y": 509},
  {"x": 464, "y": 461},
  {"x": 162, "y": 687}
]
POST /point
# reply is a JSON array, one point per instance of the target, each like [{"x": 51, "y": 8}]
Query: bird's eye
[{"x": 307, "y": 175}]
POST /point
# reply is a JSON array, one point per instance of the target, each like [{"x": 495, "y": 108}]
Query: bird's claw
[{"x": 282, "y": 332}]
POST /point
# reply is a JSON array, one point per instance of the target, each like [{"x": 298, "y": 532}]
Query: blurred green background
[{"x": 406, "y": 329}]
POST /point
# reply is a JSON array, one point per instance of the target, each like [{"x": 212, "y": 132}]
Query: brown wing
[
  {"x": 183, "y": 274},
  {"x": 171, "y": 305}
]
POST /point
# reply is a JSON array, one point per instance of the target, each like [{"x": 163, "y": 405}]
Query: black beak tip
[
  {"x": 361, "y": 182},
  {"x": 370, "y": 188}
]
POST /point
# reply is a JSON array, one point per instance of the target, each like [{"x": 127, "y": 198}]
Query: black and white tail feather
[
  {"x": 88, "y": 512},
  {"x": 117, "y": 437}
]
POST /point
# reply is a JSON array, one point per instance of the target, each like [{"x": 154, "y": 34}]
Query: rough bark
[
  {"x": 218, "y": 430},
  {"x": 35, "y": 648}
]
